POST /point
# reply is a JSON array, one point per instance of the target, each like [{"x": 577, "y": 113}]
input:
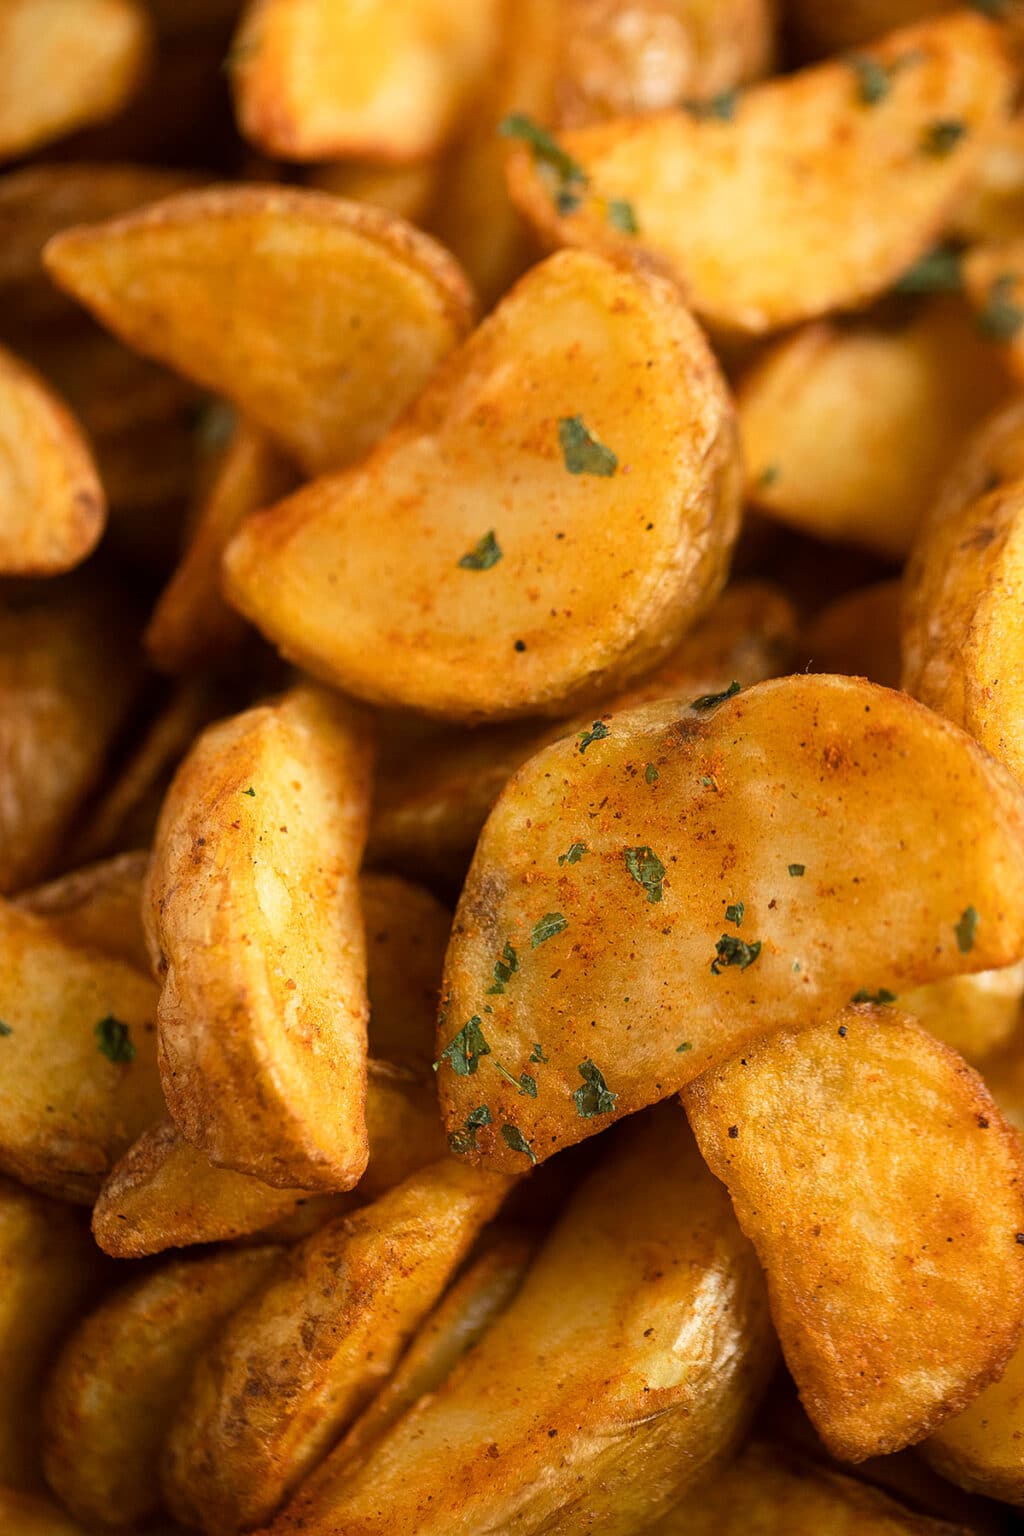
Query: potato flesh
[
  {"x": 599, "y": 575},
  {"x": 805, "y": 200},
  {"x": 849, "y": 782},
  {"x": 637, "y": 1347},
  {"x": 99, "y": 906},
  {"x": 895, "y": 1309}
]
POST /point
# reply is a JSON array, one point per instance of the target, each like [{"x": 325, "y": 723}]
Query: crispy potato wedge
[
  {"x": 993, "y": 278},
  {"x": 252, "y": 914},
  {"x": 408, "y": 191},
  {"x": 895, "y": 1309},
  {"x": 973, "y": 1014},
  {"x": 49, "y": 1271},
  {"x": 848, "y": 429},
  {"x": 758, "y": 234},
  {"x": 192, "y": 627},
  {"x": 731, "y": 870},
  {"x": 68, "y": 677},
  {"x": 533, "y": 574},
  {"x": 52, "y": 506},
  {"x": 430, "y": 804},
  {"x": 639, "y": 1342},
  {"x": 858, "y": 634},
  {"x": 65, "y": 64},
  {"x": 116, "y": 1385},
  {"x": 99, "y": 906},
  {"x": 385, "y": 80},
  {"x": 992, "y": 459},
  {"x": 407, "y": 931},
  {"x": 992, "y": 209},
  {"x": 78, "y": 1052},
  {"x": 776, "y": 1492},
  {"x": 981, "y": 1448},
  {"x": 33, "y": 1514},
  {"x": 347, "y": 309},
  {"x": 326, "y": 1330}
]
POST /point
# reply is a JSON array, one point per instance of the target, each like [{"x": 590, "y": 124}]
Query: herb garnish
[
  {"x": 940, "y": 138},
  {"x": 504, "y": 969},
  {"x": 882, "y": 996},
  {"x": 621, "y": 216},
  {"x": 1001, "y": 318},
  {"x": 485, "y": 553},
  {"x": 647, "y": 870},
  {"x": 582, "y": 452},
  {"x": 595, "y": 1097},
  {"x": 721, "y": 107},
  {"x": 114, "y": 1042},
  {"x": 733, "y": 951},
  {"x": 768, "y": 476},
  {"x": 651, "y": 774},
  {"x": 465, "y": 1140},
  {"x": 524, "y": 1084},
  {"x": 514, "y": 1139},
  {"x": 874, "y": 80},
  {"x": 938, "y": 271},
  {"x": 965, "y": 930},
  {"x": 734, "y": 913},
  {"x": 598, "y": 731},
  {"x": 574, "y": 853},
  {"x": 711, "y": 700},
  {"x": 686, "y": 1046},
  {"x": 797, "y": 869},
  {"x": 466, "y": 1049},
  {"x": 550, "y": 924},
  {"x": 537, "y": 1053},
  {"x": 545, "y": 149},
  {"x": 5, "y": 1030}
]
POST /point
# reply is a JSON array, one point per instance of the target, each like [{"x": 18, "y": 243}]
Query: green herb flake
[
  {"x": 598, "y": 731},
  {"x": 940, "y": 138},
  {"x": 874, "y": 81},
  {"x": 581, "y": 450},
  {"x": 524, "y": 1084},
  {"x": 514, "y": 1139},
  {"x": 595, "y": 1097},
  {"x": 114, "y": 1041},
  {"x": 712, "y": 700},
  {"x": 1001, "y": 318},
  {"x": 622, "y": 216},
  {"x": 993, "y": 8},
  {"x": 734, "y": 913},
  {"x": 485, "y": 553},
  {"x": 733, "y": 951},
  {"x": 465, "y": 1140},
  {"x": 504, "y": 969},
  {"x": 250, "y": 792},
  {"x": 651, "y": 774},
  {"x": 966, "y": 929},
  {"x": 465, "y": 1051},
  {"x": 550, "y": 924},
  {"x": 797, "y": 869},
  {"x": 544, "y": 147},
  {"x": 647, "y": 870},
  {"x": 720, "y": 108},
  {"x": 686, "y": 1046},
  {"x": 537, "y": 1053},
  {"x": 5, "y": 1030},
  {"x": 882, "y": 996},
  {"x": 938, "y": 271},
  {"x": 574, "y": 854},
  {"x": 768, "y": 476}
]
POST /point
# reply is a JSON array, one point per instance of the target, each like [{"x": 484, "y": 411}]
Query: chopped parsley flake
[
  {"x": 1001, "y": 318},
  {"x": 544, "y": 147},
  {"x": 686, "y": 1046},
  {"x": 651, "y": 774},
  {"x": 551, "y": 923},
  {"x": 938, "y": 271},
  {"x": 712, "y": 700},
  {"x": 250, "y": 791},
  {"x": 114, "y": 1042},
  {"x": 465, "y": 1051},
  {"x": 647, "y": 870},
  {"x": 940, "y": 138},
  {"x": 598, "y": 731},
  {"x": 989, "y": 7},
  {"x": 734, "y": 913},
  {"x": 966, "y": 929},
  {"x": 595, "y": 1097},
  {"x": 537, "y": 1053},
  {"x": 882, "y": 996},
  {"x": 574, "y": 854},
  {"x": 797, "y": 869},
  {"x": 622, "y": 216},
  {"x": 733, "y": 951},
  {"x": 514, "y": 1139},
  {"x": 768, "y": 476},
  {"x": 485, "y": 553},
  {"x": 5, "y": 1030},
  {"x": 721, "y": 107},
  {"x": 581, "y": 450},
  {"x": 524, "y": 1084},
  {"x": 874, "y": 81},
  {"x": 465, "y": 1140},
  {"x": 504, "y": 969}
]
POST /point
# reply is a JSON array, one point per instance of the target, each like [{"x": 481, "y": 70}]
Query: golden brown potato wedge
[
  {"x": 795, "y": 199},
  {"x": 858, "y": 634},
  {"x": 52, "y": 506},
  {"x": 658, "y": 892},
  {"x": 408, "y": 191},
  {"x": 253, "y": 919},
  {"x": 385, "y": 80},
  {"x": 848, "y": 430},
  {"x": 99, "y": 906},
  {"x": 896, "y": 1308},
  {"x": 629, "y": 1364},
  {"x": 973, "y": 1014},
  {"x": 347, "y": 309},
  {"x": 65, "y": 64},
  {"x": 992, "y": 459},
  {"x": 551, "y": 516},
  {"x": 430, "y": 803},
  {"x": 992, "y": 209},
  {"x": 326, "y": 1331},
  {"x": 407, "y": 932},
  {"x": 982, "y": 1449},
  {"x": 192, "y": 627},
  {"x": 49, "y": 1271},
  {"x": 994, "y": 281},
  {"x": 117, "y": 1383},
  {"x": 32, "y": 1514}
]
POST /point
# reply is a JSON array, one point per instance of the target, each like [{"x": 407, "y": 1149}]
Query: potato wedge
[
  {"x": 758, "y": 234},
  {"x": 768, "y": 878},
  {"x": 49, "y": 1271},
  {"x": 973, "y": 1014},
  {"x": 994, "y": 282},
  {"x": 992, "y": 209},
  {"x": 407, "y": 932},
  {"x": 533, "y": 575},
  {"x": 99, "y": 906},
  {"x": 117, "y": 1383},
  {"x": 430, "y": 803},
  {"x": 638, "y": 1343},
  {"x": 408, "y": 191},
  {"x": 848, "y": 430},
  {"x": 347, "y": 309},
  {"x": 895, "y": 1309},
  {"x": 858, "y": 634},
  {"x": 326, "y": 1330},
  {"x": 65, "y": 64},
  {"x": 192, "y": 627},
  {"x": 981, "y": 1448},
  {"x": 32, "y": 1514},
  {"x": 252, "y": 914},
  {"x": 385, "y": 80}
]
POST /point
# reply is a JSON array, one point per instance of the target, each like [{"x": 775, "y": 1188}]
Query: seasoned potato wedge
[
  {"x": 981, "y": 1448},
  {"x": 405, "y": 190},
  {"x": 348, "y": 309},
  {"x": 731, "y": 869},
  {"x": 252, "y": 913},
  {"x": 895, "y": 1309},
  {"x": 407, "y": 932},
  {"x": 848, "y": 430},
  {"x": 638, "y": 1344},
  {"x": 386, "y": 79},
  {"x": 49, "y": 1271},
  {"x": 64, "y": 64},
  {"x": 192, "y": 627},
  {"x": 326, "y": 1330},
  {"x": 550, "y": 519},
  {"x": 799, "y": 197},
  {"x": 973, "y": 1014},
  {"x": 32, "y": 1514},
  {"x": 992, "y": 210},
  {"x": 858, "y": 634},
  {"x": 52, "y": 506},
  {"x": 100, "y": 906},
  {"x": 992, "y": 459},
  {"x": 78, "y": 1051},
  {"x": 118, "y": 1381},
  {"x": 994, "y": 282},
  {"x": 430, "y": 804}
]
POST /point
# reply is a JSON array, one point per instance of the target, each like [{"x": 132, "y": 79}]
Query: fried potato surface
[
  {"x": 858, "y": 634},
  {"x": 994, "y": 281},
  {"x": 992, "y": 209},
  {"x": 113, "y": 1392},
  {"x": 253, "y": 919},
  {"x": 385, "y": 80},
  {"x": 31, "y": 1514},
  {"x": 730, "y": 870},
  {"x": 848, "y": 430},
  {"x": 346, "y": 309},
  {"x": 99, "y": 906},
  {"x": 49, "y": 1270},
  {"x": 407, "y": 932},
  {"x": 981, "y": 1448},
  {"x": 321, "y": 1336},
  {"x": 896, "y": 1308},
  {"x": 638, "y": 1345},
  {"x": 65, "y": 64},
  {"x": 799, "y": 197},
  {"x": 973, "y": 1014},
  {"x": 408, "y": 191},
  {"x": 551, "y": 517}
]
